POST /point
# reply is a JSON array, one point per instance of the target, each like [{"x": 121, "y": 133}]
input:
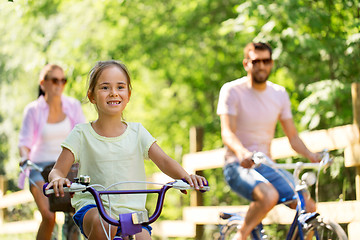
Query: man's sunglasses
[
  {"x": 265, "y": 61},
  {"x": 58, "y": 81}
]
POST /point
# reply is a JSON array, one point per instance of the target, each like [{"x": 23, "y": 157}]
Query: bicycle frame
[
  {"x": 296, "y": 224},
  {"x": 301, "y": 217}
]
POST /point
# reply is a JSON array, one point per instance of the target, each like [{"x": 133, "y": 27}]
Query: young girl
[{"x": 110, "y": 150}]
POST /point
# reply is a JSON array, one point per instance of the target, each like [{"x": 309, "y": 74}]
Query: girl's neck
[{"x": 109, "y": 127}]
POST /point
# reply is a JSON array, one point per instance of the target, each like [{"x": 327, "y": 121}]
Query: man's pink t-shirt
[{"x": 257, "y": 112}]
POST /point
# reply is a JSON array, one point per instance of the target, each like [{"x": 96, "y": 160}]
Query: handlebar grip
[
  {"x": 46, "y": 193},
  {"x": 75, "y": 187},
  {"x": 205, "y": 189},
  {"x": 24, "y": 162},
  {"x": 184, "y": 185}
]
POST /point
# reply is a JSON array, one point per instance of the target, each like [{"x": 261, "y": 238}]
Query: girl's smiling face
[{"x": 111, "y": 93}]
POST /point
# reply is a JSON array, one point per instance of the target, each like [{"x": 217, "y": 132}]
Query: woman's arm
[
  {"x": 57, "y": 176},
  {"x": 24, "y": 154},
  {"x": 172, "y": 168}
]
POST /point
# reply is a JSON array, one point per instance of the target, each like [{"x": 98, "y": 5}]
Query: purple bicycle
[{"x": 129, "y": 223}]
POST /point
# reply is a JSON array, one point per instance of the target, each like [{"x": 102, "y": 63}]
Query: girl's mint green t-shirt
[{"x": 111, "y": 160}]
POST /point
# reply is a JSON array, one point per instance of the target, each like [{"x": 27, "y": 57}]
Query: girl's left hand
[{"x": 195, "y": 181}]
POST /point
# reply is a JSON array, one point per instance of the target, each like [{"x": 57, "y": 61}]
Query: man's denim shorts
[
  {"x": 79, "y": 218},
  {"x": 244, "y": 180}
]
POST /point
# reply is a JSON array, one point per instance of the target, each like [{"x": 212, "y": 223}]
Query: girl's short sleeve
[
  {"x": 73, "y": 141},
  {"x": 146, "y": 140}
]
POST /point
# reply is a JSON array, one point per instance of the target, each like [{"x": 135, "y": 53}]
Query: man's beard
[{"x": 258, "y": 79}]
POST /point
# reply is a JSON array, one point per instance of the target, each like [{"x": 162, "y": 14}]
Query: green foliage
[
  {"x": 328, "y": 104},
  {"x": 312, "y": 40},
  {"x": 4, "y": 151}
]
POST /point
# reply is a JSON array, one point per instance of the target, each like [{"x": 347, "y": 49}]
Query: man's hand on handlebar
[
  {"x": 247, "y": 161},
  {"x": 315, "y": 157}
]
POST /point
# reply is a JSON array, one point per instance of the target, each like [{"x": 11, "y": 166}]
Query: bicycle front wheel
[{"x": 324, "y": 229}]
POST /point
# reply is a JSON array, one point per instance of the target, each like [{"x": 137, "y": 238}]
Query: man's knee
[
  {"x": 266, "y": 194},
  {"x": 310, "y": 205}
]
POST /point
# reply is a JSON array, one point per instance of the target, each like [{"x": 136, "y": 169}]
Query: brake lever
[
  {"x": 326, "y": 160},
  {"x": 259, "y": 158}
]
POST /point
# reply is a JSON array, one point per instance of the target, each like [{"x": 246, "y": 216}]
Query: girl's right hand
[{"x": 58, "y": 185}]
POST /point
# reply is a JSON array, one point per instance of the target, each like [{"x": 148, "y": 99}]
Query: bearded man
[{"x": 249, "y": 109}]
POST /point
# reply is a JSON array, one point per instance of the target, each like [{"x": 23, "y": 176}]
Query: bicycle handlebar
[
  {"x": 28, "y": 163},
  {"x": 261, "y": 158},
  {"x": 78, "y": 187},
  {"x": 307, "y": 179}
]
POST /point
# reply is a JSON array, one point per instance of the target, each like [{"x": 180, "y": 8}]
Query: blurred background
[{"x": 179, "y": 54}]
